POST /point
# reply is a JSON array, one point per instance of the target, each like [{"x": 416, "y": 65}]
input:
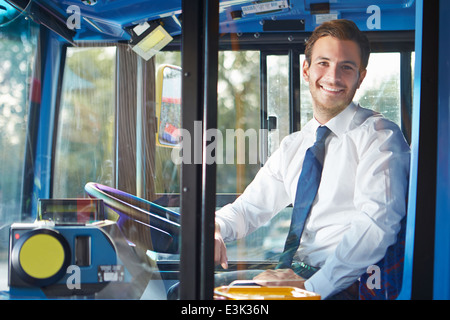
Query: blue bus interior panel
[
  {"x": 441, "y": 288},
  {"x": 107, "y": 20}
]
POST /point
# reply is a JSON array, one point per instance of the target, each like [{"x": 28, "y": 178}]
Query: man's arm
[
  {"x": 220, "y": 250},
  {"x": 263, "y": 198}
]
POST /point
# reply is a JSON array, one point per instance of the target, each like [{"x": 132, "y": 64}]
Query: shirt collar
[{"x": 340, "y": 123}]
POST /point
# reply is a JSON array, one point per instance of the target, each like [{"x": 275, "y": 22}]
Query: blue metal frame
[
  {"x": 354, "y": 10},
  {"x": 409, "y": 241},
  {"x": 108, "y": 20},
  {"x": 427, "y": 243},
  {"x": 442, "y": 239},
  {"x": 52, "y": 60}
]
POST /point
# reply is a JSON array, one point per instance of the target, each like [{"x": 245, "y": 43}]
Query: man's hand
[
  {"x": 280, "y": 277},
  {"x": 220, "y": 250}
]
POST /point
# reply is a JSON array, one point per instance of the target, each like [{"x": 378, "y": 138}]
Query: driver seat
[{"x": 391, "y": 271}]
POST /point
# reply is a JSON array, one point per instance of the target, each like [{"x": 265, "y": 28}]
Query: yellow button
[{"x": 41, "y": 256}]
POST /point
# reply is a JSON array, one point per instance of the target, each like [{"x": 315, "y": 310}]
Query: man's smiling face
[{"x": 334, "y": 75}]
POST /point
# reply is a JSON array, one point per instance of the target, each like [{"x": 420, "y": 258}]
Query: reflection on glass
[
  {"x": 9, "y": 13},
  {"x": 261, "y": 245},
  {"x": 238, "y": 109},
  {"x": 167, "y": 173},
  {"x": 85, "y": 152}
]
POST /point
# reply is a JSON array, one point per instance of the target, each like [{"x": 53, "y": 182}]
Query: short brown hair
[{"x": 343, "y": 30}]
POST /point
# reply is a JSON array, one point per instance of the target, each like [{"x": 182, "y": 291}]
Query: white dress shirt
[{"x": 359, "y": 204}]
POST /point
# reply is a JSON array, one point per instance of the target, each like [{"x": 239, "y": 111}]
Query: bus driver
[{"x": 361, "y": 161}]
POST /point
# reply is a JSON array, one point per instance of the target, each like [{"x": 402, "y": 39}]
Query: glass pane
[
  {"x": 266, "y": 243},
  {"x": 18, "y": 42},
  {"x": 259, "y": 245},
  {"x": 167, "y": 173},
  {"x": 306, "y": 108},
  {"x": 238, "y": 124},
  {"x": 380, "y": 90},
  {"x": 85, "y": 138},
  {"x": 238, "y": 119},
  {"x": 278, "y": 98}
]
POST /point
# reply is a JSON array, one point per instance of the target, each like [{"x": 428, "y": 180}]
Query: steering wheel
[{"x": 142, "y": 222}]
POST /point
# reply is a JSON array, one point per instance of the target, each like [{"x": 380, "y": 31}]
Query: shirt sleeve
[
  {"x": 264, "y": 197},
  {"x": 380, "y": 199}
]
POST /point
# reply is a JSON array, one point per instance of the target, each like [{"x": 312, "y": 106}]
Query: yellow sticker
[{"x": 41, "y": 256}]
